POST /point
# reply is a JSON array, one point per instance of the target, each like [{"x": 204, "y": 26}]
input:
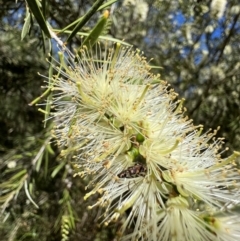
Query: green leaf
[
  {"x": 50, "y": 150},
  {"x": 39, "y": 162},
  {"x": 18, "y": 175},
  {"x": 91, "y": 39},
  {"x": 85, "y": 18},
  {"x": 50, "y": 84},
  {"x": 26, "y": 25},
  {"x": 100, "y": 37},
  {"x": 107, "y": 4},
  {"x": 34, "y": 7},
  {"x": 57, "y": 169}
]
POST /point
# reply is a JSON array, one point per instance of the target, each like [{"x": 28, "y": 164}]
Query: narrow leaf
[
  {"x": 26, "y": 25},
  {"x": 33, "y": 5},
  {"x": 107, "y": 4},
  {"x": 86, "y": 17},
  {"x": 91, "y": 39},
  {"x": 28, "y": 194},
  {"x": 50, "y": 83},
  {"x": 100, "y": 37},
  {"x": 57, "y": 169}
]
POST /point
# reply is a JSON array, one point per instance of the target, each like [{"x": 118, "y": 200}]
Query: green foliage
[
  {"x": 38, "y": 14},
  {"x": 93, "y": 36}
]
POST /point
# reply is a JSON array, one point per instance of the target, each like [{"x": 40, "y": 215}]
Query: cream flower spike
[{"x": 154, "y": 170}]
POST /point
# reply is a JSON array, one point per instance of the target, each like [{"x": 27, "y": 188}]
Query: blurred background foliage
[{"x": 199, "y": 55}]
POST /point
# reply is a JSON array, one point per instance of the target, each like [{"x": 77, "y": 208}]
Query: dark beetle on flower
[{"x": 138, "y": 170}]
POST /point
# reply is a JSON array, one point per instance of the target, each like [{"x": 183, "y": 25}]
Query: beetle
[{"x": 138, "y": 170}]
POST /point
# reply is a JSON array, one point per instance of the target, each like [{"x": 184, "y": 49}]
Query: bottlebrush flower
[
  {"x": 218, "y": 8},
  {"x": 225, "y": 225},
  {"x": 123, "y": 125}
]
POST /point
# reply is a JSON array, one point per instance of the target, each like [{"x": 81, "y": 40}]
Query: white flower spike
[{"x": 151, "y": 165}]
